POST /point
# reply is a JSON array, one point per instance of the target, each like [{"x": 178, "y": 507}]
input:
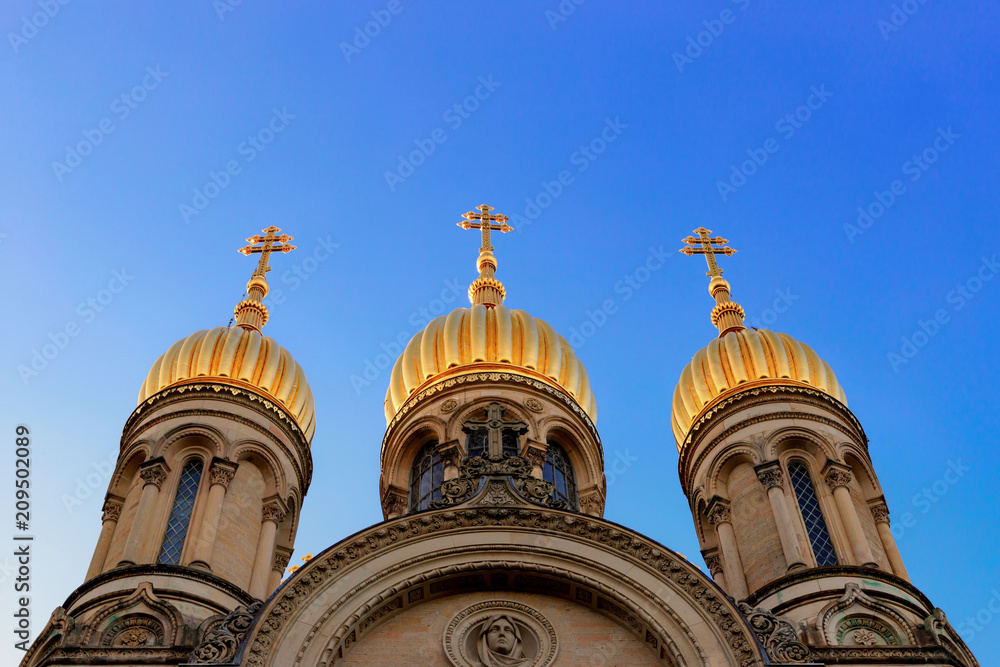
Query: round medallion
[
  {"x": 449, "y": 405},
  {"x": 534, "y": 405},
  {"x": 500, "y": 633}
]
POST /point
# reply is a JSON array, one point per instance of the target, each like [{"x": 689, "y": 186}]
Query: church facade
[{"x": 494, "y": 550}]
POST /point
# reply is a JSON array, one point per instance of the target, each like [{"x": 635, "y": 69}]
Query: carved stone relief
[{"x": 500, "y": 633}]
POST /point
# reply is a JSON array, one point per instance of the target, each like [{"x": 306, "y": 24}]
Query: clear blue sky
[{"x": 915, "y": 105}]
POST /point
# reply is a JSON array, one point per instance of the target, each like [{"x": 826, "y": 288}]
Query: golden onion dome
[
  {"x": 731, "y": 363},
  {"x": 490, "y": 339},
  {"x": 241, "y": 357}
]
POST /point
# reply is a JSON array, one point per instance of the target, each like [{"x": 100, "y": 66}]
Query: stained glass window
[
  {"x": 426, "y": 478},
  {"x": 180, "y": 515},
  {"x": 819, "y": 536},
  {"x": 559, "y": 471}
]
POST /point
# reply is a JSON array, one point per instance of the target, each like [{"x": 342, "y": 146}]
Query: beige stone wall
[
  {"x": 756, "y": 531},
  {"x": 868, "y": 525},
  {"x": 415, "y": 637},
  {"x": 131, "y": 504},
  {"x": 239, "y": 527}
]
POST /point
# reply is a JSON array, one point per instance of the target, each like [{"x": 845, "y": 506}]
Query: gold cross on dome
[
  {"x": 484, "y": 222},
  {"x": 703, "y": 244},
  {"x": 271, "y": 243}
]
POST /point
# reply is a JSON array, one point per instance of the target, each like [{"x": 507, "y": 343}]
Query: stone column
[
  {"x": 394, "y": 503},
  {"x": 770, "y": 475},
  {"x": 271, "y": 515},
  {"x": 880, "y": 512},
  {"x": 153, "y": 474},
  {"x": 220, "y": 473},
  {"x": 720, "y": 516},
  {"x": 838, "y": 478},
  {"x": 112, "y": 512},
  {"x": 714, "y": 563},
  {"x": 536, "y": 452},
  {"x": 451, "y": 454},
  {"x": 281, "y": 558}
]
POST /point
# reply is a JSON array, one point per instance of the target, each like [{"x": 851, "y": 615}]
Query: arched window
[
  {"x": 426, "y": 478},
  {"x": 559, "y": 471},
  {"x": 180, "y": 515},
  {"x": 819, "y": 536}
]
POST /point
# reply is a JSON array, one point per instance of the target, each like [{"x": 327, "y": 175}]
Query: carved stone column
[
  {"x": 394, "y": 502},
  {"x": 838, "y": 478},
  {"x": 112, "y": 512},
  {"x": 451, "y": 453},
  {"x": 153, "y": 474},
  {"x": 271, "y": 515},
  {"x": 771, "y": 476},
  {"x": 720, "y": 516},
  {"x": 880, "y": 512},
  {"x": 714, "y": 563},
  {"x": 220, "y": 473},
  {"x": 281, "y": 558},
  {"x": 536, "y": 452}
]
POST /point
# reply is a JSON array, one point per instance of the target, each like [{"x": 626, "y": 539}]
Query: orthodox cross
[
  {"x": 271, "y": 243},
  {"x": 703, "y": 244},
  {"x": 495, "y": 425},
  {"x": 485, "y": 224}
]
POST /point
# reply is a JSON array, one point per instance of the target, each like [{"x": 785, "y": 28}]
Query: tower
[
  {"x": 786, "y": 502},
  {"x": 201, "y": 512},
  {"x": 488, "y": 381}
]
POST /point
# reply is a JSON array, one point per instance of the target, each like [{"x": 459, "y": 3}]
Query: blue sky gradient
[{"x": 142, "y": 145}]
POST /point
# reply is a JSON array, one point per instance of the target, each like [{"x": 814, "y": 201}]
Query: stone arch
[
  {"x": 142, "y": 604},
  {"x": 573, "y": 442},
  {"x": 857, "y": 604},
  {"x": 397, "y": 461},
  {"x": 717, "y": 474},
  {"x": 218, "y": 441},
  {"x": 257, "y": 454},
  {"x": 127, "y": 466},
  {"x": 778, "y": 443}
]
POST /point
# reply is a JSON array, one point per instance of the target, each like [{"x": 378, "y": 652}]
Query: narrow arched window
[
  {"x": 426, "y": 478},
  {"x": 180, "y": 515},
  {"x": 559, "y": 471},
  {"x": 812, "y": 515}
]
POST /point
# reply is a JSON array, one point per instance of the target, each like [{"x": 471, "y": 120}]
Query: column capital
[
  {"x": 112, "y": 509},
  {"x": 713, "y": 559},
  {"x": 281, "y": 559},
  {"x": 154, "y": 472},
  {"x": 274, "y": 510},
  {"x": 592, "y": 503},
  {"x": 837, "y": 475},
  {"x": 880, "y": 512},
  {"x": 222, "y": 472},
  {"x": 771, "y": 475},
  {"x": 536, "y": 452},
  {"x": 451, "y": 454},
  {"x": 394, "y": 502},
  {"x": 719, "y": 511}
]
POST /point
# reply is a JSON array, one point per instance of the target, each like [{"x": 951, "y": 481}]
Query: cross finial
[
  {"x": 727, "y": 315},
  {"x": 251, "y": 313},
  {"x": 486, "y": 290}
]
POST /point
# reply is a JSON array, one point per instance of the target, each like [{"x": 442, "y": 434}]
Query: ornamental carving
[
  {"x": 134, "y": 631},
  {"x": 536, "y": 455},
  {"x": 880, "y": 512},
  {"x": 273, "y": 511},
  {"x": 220, "y": 645},
  {"x": 720, "y": 513},
  {"x": 517, "y": 468},
  {"x": 714, "y": 563},
  {"x": 112, "y": 510},
  {"x": 865, "y": 631},
  {"x": 771, "y": 478},
  {"x": 281, "y": 559},
  {"x": 500, "y": 633},
  {"x": 836, "y": 478},
  {"x": 534, "y": 405},
  {"x": 155, "y": 474},
  {"x": 777, "y": 635},
  {"x": 449, "y": 406},
  {"x": 222, "y": 474},
  {"x": 592, "y": 504},
  {"x": 394, "y": 503}
]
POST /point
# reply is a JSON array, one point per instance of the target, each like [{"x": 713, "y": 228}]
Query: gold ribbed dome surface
[
  {"x": 489, "y": 336},
  {"x": 242, "y": 356},
  {"x": 742, "y": 357}
]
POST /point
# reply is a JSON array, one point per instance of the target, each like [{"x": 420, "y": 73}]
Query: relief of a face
[{"x": 500, "y": 637}]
